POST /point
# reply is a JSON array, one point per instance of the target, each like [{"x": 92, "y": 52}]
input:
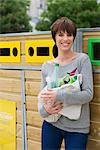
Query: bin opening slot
[
  {"x": 42, "y": 51},
  {"x": 4, "y": 51},
  {"x": 96, "y": 51}
]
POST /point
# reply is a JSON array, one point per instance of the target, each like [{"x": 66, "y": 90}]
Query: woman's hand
[
  {"x": 55, "y": 108},
  {"x": 49, "y": 96}
]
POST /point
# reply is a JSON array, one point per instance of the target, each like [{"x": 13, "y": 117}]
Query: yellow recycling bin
[
  {"x": 39, "y": 50},
  {"x": 7, "y": 125},
  {"x": 10, "y": 51}
]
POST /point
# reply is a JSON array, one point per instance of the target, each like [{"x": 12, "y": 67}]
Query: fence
[{"x": 21, "y": 83}]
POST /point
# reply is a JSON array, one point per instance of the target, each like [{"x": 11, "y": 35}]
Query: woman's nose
[{"x": 65, "y": 37}]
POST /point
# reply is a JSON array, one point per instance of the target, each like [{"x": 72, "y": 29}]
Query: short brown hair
[{"x": 63, "y": 24}]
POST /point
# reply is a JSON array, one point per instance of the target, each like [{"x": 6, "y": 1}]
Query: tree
[
  {"x": 13, "y": 16},
  {"x": 85, "y": 13}
]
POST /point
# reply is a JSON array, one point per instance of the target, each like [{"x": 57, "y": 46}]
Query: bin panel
[{"x": 10, "y": 51}]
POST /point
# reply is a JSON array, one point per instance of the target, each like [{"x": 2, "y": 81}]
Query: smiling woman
[
  {"x": 74, "y": 132},
  {"x": 63, "y": 33},
  {"x": 64, "y": 41}
]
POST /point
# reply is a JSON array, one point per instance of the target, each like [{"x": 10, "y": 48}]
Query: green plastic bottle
[
  {"x": 53, "y": 83},
  {"x": 55, "y": 75}
]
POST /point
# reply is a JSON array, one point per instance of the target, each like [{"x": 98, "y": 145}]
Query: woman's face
[{"x": 64, "y": 41}]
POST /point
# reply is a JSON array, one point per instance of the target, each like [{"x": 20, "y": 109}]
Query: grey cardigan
[{"x": 83, "y": 97}]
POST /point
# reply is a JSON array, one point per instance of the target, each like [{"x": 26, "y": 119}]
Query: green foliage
[
  {"x": 85, "y": 13},
  {"x": 41, "y": 25},
  {"x": 13, "y": 16}
]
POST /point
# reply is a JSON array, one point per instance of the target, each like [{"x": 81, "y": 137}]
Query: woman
[{"x": 74, "y": 132}]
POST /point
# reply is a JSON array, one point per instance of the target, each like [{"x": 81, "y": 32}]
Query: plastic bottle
[
  {"x": 55, "y": 75},
  {"x": 53, "y": 80}
]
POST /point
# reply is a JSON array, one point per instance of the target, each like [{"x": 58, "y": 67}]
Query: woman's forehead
[{"x": 62, "y": 31}]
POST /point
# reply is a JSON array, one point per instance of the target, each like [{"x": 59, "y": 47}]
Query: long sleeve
[
  {"x": 86, "y": 94},
  {"x": 41, "y": 108}
]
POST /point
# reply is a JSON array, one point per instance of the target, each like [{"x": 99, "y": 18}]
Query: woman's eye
[
  {"x": 61, "y": 34},
  {"x": 69, "y": 34}
]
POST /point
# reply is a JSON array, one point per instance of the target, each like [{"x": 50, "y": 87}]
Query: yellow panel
[
  {"x": 7, "y": 125},
  {"x": 10, "y": 51},
  {"x": 41, "y": 50}
]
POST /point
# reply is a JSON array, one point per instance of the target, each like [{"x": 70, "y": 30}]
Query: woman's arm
[
  {"x": 46, "y": 110},
  {"x": 41, "y": 107},
  {"x": 86, "y": 94}
]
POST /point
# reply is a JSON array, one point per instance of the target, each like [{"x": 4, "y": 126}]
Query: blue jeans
[{"x": 52, "y": 138}]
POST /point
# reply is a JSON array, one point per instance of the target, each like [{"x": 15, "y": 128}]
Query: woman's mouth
[{"x": 65, "y": 44}]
